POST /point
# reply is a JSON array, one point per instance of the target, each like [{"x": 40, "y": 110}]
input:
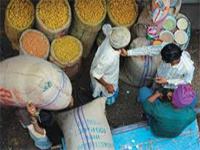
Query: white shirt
[
  {"x": 105, "y": 65},
  {"x": 180, "y": 73}
]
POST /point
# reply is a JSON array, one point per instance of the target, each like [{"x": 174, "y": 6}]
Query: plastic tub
[
  {"x": 180, "y": 37},
  {"x": 167, "y": 36},
  {"x": 182, "y": 23},
  {"x": 169, "y": 23}
]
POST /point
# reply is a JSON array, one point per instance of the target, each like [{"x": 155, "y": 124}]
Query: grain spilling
[
  {"x": 91, "y": 11},
  {"x": 66, "y": 48},
  {"x": 34, "y": 43},
  {"x": 21, "y": 13},
  {"x": 123, "y": 11},
  {"x": 53, "y": 13}
]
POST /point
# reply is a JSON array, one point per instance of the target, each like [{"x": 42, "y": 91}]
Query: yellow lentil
[
  {"x": 53, "y": 13},
  {"x": 123, "y": 11},
  {"x": 91, "y": 11},
  {"x": 21, "y": 13},
  {"x": 66, "y": 48}
]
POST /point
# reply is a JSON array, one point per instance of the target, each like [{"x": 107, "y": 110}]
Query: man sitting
[{"x": 171, "y": 116}]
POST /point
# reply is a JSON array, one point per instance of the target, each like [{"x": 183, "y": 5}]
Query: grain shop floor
[{"x": 125, "y": 111}]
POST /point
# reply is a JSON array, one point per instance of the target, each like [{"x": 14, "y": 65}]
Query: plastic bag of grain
[
  {"x": 66, "y": 52},
  {"x": 86, "y": 127},
  {"x": 19, "y": 16},
  {"x": 120, "y": 13},
  {"x": 34, "y": 43},
  {"x": 53, "y": 18},
  {"x": 88, "y": 19},
  {"x": 26, "y": 79},
  {"x": 138, "y": 70}
]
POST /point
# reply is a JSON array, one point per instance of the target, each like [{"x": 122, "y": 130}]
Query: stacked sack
[
  {"x": 19, "y": 17},
  {"x": 88, "y": 18}
]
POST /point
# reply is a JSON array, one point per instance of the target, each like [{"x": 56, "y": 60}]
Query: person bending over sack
[
  {"x": 104, "y": 71},
  {"x": 169, "y": 114},
  {"x": 42, "y": 128},
  {"x": 175, "y": 68}
]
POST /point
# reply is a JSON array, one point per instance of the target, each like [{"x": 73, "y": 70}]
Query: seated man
[{"x": 169, "y": 117}]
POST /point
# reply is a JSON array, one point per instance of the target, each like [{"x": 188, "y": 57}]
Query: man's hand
[
  {"x": 71, "y": 103},
  {"x": 161, "y": 80},
  {"x": 109, "y": 88},
  {"x": 123, "y": 53},
  {"x": 31, "y": 109}
]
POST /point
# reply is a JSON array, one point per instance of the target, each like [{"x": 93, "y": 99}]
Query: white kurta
[
  {"x": 105, "y": 65},
  {"x": 180, "y": 73}
]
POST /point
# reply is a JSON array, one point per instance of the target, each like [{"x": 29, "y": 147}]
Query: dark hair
[{"x": 170, "y": 53}]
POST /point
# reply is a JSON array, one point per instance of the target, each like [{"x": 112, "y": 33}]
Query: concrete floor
[{"x": 124, "y": 112}]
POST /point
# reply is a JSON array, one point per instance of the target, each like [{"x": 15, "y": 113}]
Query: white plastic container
[
  {"x": 167, "y": 36},
  {"x": 182, "y": 23},
  {"x": 169, "y": 23},
  {"x": 181, "y": 37}
]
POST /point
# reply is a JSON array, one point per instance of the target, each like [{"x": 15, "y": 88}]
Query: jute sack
[
  {"x": 25, "y": 79},
  {"x": 13, "y": 32},
  {"x": 137, "y": 70},
  {"x": 110, "y": 19},
  {"x": 23, "y": 51},
  {"x": 53, "y": 34},
  {"x": 86, "y": 127},
  {"x": 84, "y": 31},
  {"x": 72, "y": 67}
]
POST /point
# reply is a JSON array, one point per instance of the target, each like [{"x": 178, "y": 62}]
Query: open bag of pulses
[{"x": 25, "y": 79}]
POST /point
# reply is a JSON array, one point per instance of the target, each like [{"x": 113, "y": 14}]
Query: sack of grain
[
  {"x": 34, "y": 43},
  {"x": 26, "y": 79},
  {"x": 86, "y": 127},
  {"x": 66, "y": 52},
  {"x": 138, "y": 70},
  {"x": 19, "y": 16},
  {"x": 120, "y": 13},
  {"x": 53, "y": 18},
  {"x": 88, "y": 18}
]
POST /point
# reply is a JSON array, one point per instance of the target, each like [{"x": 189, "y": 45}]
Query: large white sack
[
  {"x": 86, "y": 127},
  {"x": 26, "y": 79},
  {"x": 137, "y": 69}
]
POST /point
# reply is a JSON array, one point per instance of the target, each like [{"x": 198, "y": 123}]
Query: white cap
[{"x": 119, "y": 36}]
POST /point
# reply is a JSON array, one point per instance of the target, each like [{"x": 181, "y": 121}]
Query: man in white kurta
[
  {"x": 104, "y": 70},
  {"x": 169, "y": 74}
]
